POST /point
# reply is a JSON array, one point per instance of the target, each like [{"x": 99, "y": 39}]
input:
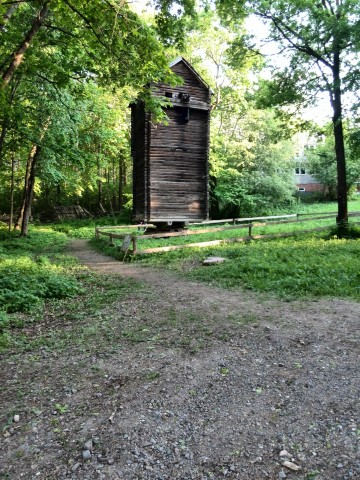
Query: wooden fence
[{"x": 131, "y": 238}]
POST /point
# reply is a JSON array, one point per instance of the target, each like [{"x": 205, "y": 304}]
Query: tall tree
[
  {"x": 50, "y": 50},
  {"x": 251, "y": 152},
  {"x": 322, "y": 40}
]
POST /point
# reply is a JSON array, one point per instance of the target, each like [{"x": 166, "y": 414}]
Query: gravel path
[{"x": 232, "y": 385}]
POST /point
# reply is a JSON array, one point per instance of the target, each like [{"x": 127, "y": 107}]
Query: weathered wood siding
[
  {"x": 200, "y": 95},
  {"x": 170, "y": 172},
  {"x": 139, "y": 152},
  {"x": 178, "y": 167}
]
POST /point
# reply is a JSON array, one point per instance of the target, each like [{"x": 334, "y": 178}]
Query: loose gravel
[{"x": 234, "y": 386}]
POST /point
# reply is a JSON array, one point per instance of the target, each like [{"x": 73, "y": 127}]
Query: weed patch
[
  {"x": 290, "y": 268},
  {"x": 32, "y": 270}
]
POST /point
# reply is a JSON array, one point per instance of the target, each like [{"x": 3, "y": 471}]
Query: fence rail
[{"x": 132, "y": 238}]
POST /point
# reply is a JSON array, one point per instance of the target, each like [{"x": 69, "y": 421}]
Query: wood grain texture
[{"x": 170, "y": 162}]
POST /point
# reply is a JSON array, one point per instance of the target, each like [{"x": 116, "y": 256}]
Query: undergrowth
[
  {"x": 85, "y": 228},
  {"x": 32, "y": 270},
  {"x": 291, "y": 268},
  {"x": 37, "y": 278}
]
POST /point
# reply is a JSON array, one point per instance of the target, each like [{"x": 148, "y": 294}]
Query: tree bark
[
  {"x": 12, "y": 191},
  {"x": 8, "y": 14},
  {"x": 25, "y": 210},
  {"x": 342, "y": 217},
  {"x": 18, "y": 56},
  {"x": 121, "y": 183},
  {"x": 19, "y": 220},
  {"x": 29, "y": 193}
]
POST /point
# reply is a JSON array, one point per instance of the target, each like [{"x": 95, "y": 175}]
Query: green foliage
[
  {"x": 70, "y": 95},
  {"x": 319, "y": 44},
  {"x": 173, "y": 19},
  {"x": 86, "y": 228},
  {"x": 305, "y": 266},
  {"x": 252, "y": 168},
  {"x": 31, "y": 271},
  {"x": 322, "y": 161}
]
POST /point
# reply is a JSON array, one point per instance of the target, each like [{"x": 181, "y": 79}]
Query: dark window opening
[
  {"x": 183, "y": 115},
  {"x": 168, "y": 94}
]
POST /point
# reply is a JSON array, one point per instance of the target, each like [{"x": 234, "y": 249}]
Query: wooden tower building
[{"x": 170, "y": 162}]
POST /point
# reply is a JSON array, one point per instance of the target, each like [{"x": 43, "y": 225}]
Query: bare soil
[{"x": 210, "y": 384}]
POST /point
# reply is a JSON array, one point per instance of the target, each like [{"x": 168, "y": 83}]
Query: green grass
[
  {"x": 291, "y": 268},
  {"x": 145, "y": 243},
  {"x": 47, "y": 300},
  {"x": 306, "y": 265},
  {"x": 32, "y": 270},
  {"x": 86, "y": 228},
  {"x": 318, "y": 207}
]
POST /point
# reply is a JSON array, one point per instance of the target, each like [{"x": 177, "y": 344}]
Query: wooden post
[
  {"x": 250, "y": 227},
  {"x": 134, "y": 244},
  {"x": 111, "y": 239}
]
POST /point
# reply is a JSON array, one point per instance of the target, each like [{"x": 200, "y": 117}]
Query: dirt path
[{"x": 207, "y": 384}]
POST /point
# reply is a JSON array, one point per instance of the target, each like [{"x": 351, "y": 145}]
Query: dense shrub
[{"x": 31, "y": 271}]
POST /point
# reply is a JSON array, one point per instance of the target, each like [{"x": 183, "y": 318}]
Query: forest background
[{"x": 70, "y": 70}]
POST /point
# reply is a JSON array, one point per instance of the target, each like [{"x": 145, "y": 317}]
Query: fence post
[
  {"x": 134, "y": 244},
  {"x": 111, "y": 239},
  {"x": 250, "y": 227}
]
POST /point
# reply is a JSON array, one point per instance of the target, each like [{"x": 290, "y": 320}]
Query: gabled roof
[{"x": 187, "y": 64}]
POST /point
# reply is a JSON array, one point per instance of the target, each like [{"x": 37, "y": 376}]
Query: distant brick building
[{"x": 306, "y": 182}]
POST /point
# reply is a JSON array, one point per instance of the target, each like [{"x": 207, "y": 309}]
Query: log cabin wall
[
  {"x": 139, "y": 151},
  {"x": 170, "y": 173}
]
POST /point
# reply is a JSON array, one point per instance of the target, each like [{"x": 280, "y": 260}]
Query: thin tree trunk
[
  {"x": 19, "y": 220},
  {"x": 20, "y": 52},
  {"x": 29, "y": 193},
  {"x": 24, "y": 213},
  {"x": 8, "y": 14},
  {"x": 6, "y": 122},
  {"x": 121, "y": 183},
  {"x": 100, "y": 185},
  {"x": 342, "y": 218},
  {"x": 12, "y": 191},
  {"x": 113, "y": 183}
]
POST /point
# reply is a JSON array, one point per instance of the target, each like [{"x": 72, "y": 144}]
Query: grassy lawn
[
  {"x": 39, "y": 282},
  {"x": 305, "y": 265},
  {"x": 47, "y": 300}
]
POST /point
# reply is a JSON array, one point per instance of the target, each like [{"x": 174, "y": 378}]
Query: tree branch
[
  {"x": 20, "y": 52},
  {"x": 7, "y": 15},
  {"x": 89, "y": 24},
  {"x": 285, "y": 30}
]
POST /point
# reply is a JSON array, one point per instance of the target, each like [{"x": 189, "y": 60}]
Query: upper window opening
[{"x": 168, "y": 94}]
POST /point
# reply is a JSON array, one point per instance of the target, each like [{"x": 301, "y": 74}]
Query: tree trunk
[
  {"x": 100, "y": 192},
  {"x": 8, "y": 14},
  {"x": 12, "y": 191},
  {"x": 121, "y": 183},
  {"x": 20, "y": 52},
  {"x": 29, "y": 193},
  {"x": 24, "y": 214},
  {"x": 6, "y": 121},
  {"x": 342, "y": 218},
  {"x": 19, "y": 220}
]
